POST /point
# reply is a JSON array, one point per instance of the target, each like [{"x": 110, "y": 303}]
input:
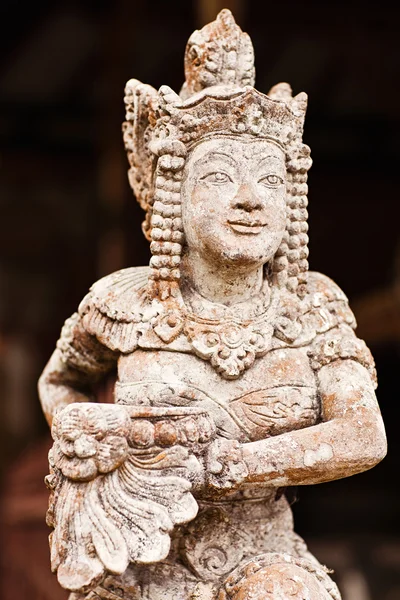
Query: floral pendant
[{"x": 230, "y": 346}]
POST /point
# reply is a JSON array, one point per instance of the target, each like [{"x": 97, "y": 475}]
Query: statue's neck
[{"x": 221, "y": 284}]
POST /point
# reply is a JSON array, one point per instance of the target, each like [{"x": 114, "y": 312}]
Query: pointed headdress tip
[
  {"x": 226, "y": 17},
  {"x": 219, "y": 54}
]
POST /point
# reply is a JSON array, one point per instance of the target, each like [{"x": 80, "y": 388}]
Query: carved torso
[
  {"x": 162, "y": 359},
  {"x": 263, "y": 402},
  {"x": 267, "y": 401}
]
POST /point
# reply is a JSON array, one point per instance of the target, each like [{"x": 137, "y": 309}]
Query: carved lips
[{"x": 247, "y": 227}]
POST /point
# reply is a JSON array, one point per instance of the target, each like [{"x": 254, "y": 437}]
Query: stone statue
[{"x": 238, "y": 371}]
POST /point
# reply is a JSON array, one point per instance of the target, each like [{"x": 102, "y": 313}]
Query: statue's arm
[
  {"x": 350, "y": 439},
  {"x": 78, "y": 362}
]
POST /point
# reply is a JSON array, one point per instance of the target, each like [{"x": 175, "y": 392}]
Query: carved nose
[{"x": 246, "y": 199}]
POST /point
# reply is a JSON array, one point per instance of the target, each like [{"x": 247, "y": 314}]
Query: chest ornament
[
  {"x": 122, "y": 316},
  {"x": 230, "y": 347},
  {"x": 230, "y": 338}
]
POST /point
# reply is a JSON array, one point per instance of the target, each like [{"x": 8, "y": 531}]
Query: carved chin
[{"x": 257, "y": 249}]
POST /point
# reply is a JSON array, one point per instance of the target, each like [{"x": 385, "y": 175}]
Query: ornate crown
[{"x": 217, "y": 98}]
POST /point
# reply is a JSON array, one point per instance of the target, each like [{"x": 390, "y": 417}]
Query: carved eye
[
  {"x": 217, "y": 178},
  {"x": 271, "y": 180}
]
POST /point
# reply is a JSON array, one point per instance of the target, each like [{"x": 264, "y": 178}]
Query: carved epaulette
[
  {"x": 113, "y": 308},
  {"x": 341, "y": 343},
  {"x": 82, "y": 351},
  {"x": 328, "y": 323},
  {"x": 325, "y": 307}
]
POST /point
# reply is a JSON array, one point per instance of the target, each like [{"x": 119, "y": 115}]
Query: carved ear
[{"x": 142, "y": 109}]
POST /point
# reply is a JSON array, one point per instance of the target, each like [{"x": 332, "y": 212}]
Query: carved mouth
[{"x": 247, "y": 227}]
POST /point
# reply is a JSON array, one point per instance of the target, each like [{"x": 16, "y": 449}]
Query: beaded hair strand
[
  {"x": 166, "y": 228},
  {"x": 290, "y": 264}
]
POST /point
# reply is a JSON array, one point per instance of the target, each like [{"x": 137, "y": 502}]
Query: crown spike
[
  {"x": 169, "y": 98},
  {"x": 299, "y": 104},
  {"x": 281, "y": 91}
]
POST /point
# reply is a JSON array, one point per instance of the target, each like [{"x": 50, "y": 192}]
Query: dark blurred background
[{"x": 68, "y": 217}]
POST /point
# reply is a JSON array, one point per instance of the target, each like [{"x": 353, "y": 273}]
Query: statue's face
[{"x": 234, "y": 201}]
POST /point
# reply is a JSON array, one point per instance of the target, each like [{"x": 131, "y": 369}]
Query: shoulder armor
[
  {"x": 329, "y": 324},
  {"x": 324, "y": 288},
  {"x": 113, "y": 308},
  {"x": 324, "y": 307}
]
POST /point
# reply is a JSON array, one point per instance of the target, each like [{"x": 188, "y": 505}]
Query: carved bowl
[{"x": 163, "y": 427}]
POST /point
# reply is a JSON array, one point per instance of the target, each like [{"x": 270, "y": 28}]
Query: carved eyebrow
[
  {"x": 217, "y": 154},
  {"x": 281, "y": 163},
  {"x": 271, "y": 156}
]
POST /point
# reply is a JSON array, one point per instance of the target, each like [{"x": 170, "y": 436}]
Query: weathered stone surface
[{"x": 239, "y": 372}]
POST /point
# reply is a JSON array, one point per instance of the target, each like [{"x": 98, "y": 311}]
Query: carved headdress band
[{"x": 217, "y": 98}]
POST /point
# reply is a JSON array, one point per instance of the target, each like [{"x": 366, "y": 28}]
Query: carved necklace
[{"x": 229, "y": 337}]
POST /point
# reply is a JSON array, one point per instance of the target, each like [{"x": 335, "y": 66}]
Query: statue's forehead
[{"x": 238, "y": 148}]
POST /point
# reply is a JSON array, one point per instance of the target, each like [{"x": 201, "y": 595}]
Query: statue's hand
[
  {"x": 226, "y": 469},
  {"x": 89, "y": 439}
]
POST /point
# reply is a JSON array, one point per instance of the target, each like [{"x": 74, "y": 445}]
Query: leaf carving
[
  {"x": 120, "y": 517},
  {"x": 113, "y": 501},
  {"x": 275, "y": 410},
  {"x": 80, "y": 570},
  {"x": 107, "y": 539}
]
